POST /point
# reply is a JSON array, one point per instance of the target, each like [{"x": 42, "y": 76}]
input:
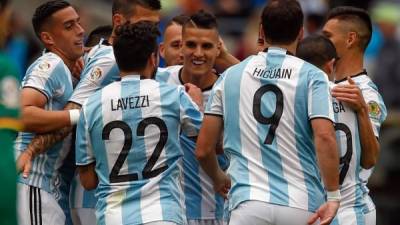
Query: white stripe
[
  {"x": 286, "y": 139},
  {"x": 248, "y": 130}
]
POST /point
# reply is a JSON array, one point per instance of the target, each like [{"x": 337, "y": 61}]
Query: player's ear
[
  {"x": 162, "y": 49},
  {"x": 300, "y": 35},
  {"x": 117, "y": 19},
  {"x": 329, "y": 68},
  {"x": 351, "y": 39},
  {"x": 46, "y": 38},
  {"x": 154, "y": 59}
]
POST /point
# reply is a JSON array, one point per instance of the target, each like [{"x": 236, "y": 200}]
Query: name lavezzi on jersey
[
  {"x": 201, "y": 200},
  {"x": 144, "y": 185},
  {"x": 267, "y": 102},
  {"x": 49, "y": 75}
]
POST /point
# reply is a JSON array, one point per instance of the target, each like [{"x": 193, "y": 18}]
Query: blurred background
[{"x": 238, "y": 25}]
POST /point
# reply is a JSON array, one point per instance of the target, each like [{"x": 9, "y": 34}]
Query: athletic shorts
[
  {"x": 37, "y": 207},
  {"x": 370, "y": 217},
  {"x": 205, "y": 222},
  {"x": 83, "y": 216},
  {"x": 263, "y": 213}
]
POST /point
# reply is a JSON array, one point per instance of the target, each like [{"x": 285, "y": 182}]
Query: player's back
[
  {"x": 133, "y": 128},
  {"x": 268, "y": 101}
]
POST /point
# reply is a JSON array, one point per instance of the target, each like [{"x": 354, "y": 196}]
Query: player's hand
[
  {"x": 24, "y": 163},
  {"x": 222, "y": 184},
  {"x": 325, "y": 213},
  {"x": 195, "y": 93},
  {"x": 77, "y": 69},
  {"x": 351, "y": 95}
]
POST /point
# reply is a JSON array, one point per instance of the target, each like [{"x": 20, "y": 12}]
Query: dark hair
[
  {"x": 134, "y": 44},
  {"x": 45, "y": 11},
  {"x": 180, "y": 20},
  {"x": 359, "y": 17},
  {"x": 97, "y": 34},
  {"x": 202, "y": 19},
  {"x": 3, "y": 4},
  {"x": 126, "y": 7},
  {"x": 282, "y": 21},
  {"x": 317, "y": 50}
]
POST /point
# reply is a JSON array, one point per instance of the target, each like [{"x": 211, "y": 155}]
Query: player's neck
[
  {"x": 290, "y": 47},
  {"x": 349, "y": 65},
  {"x": 202, "y": 81}
]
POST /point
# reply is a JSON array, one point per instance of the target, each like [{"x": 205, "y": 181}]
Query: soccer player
[
  {"x": 97, "y": 34},
  {"x": 46, "y": 88},
  {"x": 350, "y": 30},
  {"x": 200, "y": 47},
  {"x": 9, "y": 123},
  {"x": 127, "y": 137},
  {"x": 276, "y": 113},
  {"x": 321, "y": 52},
  {"x": 170, "y": 48}
]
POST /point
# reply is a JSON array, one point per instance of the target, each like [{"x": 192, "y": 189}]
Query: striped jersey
[
  {"x": 49, "y": 75},
  {"x": 200, "y": 198},
  {"x": 267, "y": 102},
  {"x": 349, "y": 146},
  {"x": 100, "y": 70},
  {"x": 130, "y": 129},
  {"x": 377, "y": 114}
]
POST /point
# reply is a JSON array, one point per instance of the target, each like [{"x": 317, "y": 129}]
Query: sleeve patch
[
  {"x": 96, "y": 74},
  {"x": 374, "y": 110}
]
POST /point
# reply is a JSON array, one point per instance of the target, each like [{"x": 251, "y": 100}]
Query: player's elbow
[
  {"x": 89, "y": 184},
  {"x": 201, "y": 153},
  {"x": 367, "y": 162},
  {"x": 88, "y": 177}
]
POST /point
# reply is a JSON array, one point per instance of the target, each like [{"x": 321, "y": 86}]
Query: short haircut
[
  {"x": 202, "y": 19},
  {"x": 360, "y": 20},
  {"x": 317, "y": 50},
  {"x": 97, "y": 34},
  {"x": 134, "y": 44},
  {"x": 127, "y": 7},
  {"x": 179, "y": 20},
  {"x": 44, "y": 12},
  {"x": 282, "y": 21}
]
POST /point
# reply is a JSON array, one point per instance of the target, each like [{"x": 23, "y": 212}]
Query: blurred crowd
[{"x": 238, "y": 25}]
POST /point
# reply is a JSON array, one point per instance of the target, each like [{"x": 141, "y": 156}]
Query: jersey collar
[
  {"x": 277, "y": 50},
  {"x": 131, "y": 77},
  {"x": 364, "y": 72}
]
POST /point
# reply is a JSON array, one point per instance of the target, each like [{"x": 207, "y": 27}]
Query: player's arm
[
  {"x": 35, "y": 118},
  {"x": 225, "y": 59},
  {"x": 88, "y": 176},
  {"x": 41, "y": 142},
  {"x": 205, "y": 152},
  {"x": 352, "y": 96}
]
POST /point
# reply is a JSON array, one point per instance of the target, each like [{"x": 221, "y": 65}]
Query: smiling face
[
  {"x": 170, "y": 49},
  {"x": 200, "y": 48},
  {"x": 65, "y": 34}
]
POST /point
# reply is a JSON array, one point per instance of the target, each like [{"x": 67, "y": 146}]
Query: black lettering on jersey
[
  {"x": 132, "y": 102},
  {"x": 273, "y": 73},
  {"x": 338, "y": 107}
]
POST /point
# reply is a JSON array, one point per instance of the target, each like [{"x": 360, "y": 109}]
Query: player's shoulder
[
  {"x": 48, "y": 64},
  {"x": 166, "y": 73},
  {"x": 101, "y": 52}
]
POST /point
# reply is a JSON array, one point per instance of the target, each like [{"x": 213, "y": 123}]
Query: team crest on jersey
[
  {"x": 374, "y": 110},
  {"x": 96, "y": 74},
  {"x": 44, "y": 66}
]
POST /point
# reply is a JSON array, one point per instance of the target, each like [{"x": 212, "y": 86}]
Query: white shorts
[
  {"x": 263, "y": 213},
  {"x": 160, "y": 223},
  {"x": 349, "y": 216},
  {"x": 205, "y": 222},
  {"x": 37, "y": 207},
  {"x": 83, "y": 216},
  {"x": 370, "y": 217}
]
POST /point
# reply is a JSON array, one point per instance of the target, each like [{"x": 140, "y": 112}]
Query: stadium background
[{"x": 238, "y": 25}]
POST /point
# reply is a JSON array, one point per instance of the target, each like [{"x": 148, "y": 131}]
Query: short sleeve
[
  {"x": 215, "y": 104},
  {"x": 319, "y": 100},
  {"x": 83, "y": 146},
  {"x": 190, "y": 115}
]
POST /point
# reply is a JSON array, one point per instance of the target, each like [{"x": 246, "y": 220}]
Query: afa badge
[
  {"x": 96, "y": 74},
  {"x": 44, "y": 66},
  {"x": 374, "y": 110}
]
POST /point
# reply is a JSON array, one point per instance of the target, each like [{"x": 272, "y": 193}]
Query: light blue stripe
[
  {"x": 162, "y": 76},
  {"x": 358, "y": 192},
  {"x": 238, "y": 170},
  {"x": 305, "y": 144},
  {"x": 271, "y": 158}
]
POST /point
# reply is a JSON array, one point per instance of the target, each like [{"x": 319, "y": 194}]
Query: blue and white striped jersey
[
  {"x": 79, "y": 197},
  {"x": 100, "y": 70},
  {"x": 49, "y": 75},
  {"x": 377, "y": 115},
  {"x": 201, "y": 200},
  {"x": 349, "y": 146},
  {"x": 267, "y": 102},
  {"x": 130, "y": 129}
]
